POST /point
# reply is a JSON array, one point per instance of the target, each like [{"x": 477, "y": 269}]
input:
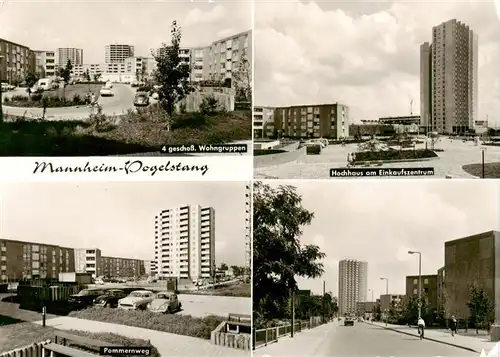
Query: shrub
[
  {"x": 173, "y": 323},
  {"x": 313, "y": 149},
  {"x": 36, "y": 97},
  {"x": 6, "y": 99},
  {"x": 188, "y": 120},
  {"x": 18, "y": 97},
  {"x": 260, "y": 152},
  {"x": 209, "y": 106},
  {"x": 394, "y": 155},
  {"x": 77, "y": 99}
]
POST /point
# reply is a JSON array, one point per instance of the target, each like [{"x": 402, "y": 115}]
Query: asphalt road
[
  {"x": 122, "y": 101},
  {"x": 364, "y": 340}
]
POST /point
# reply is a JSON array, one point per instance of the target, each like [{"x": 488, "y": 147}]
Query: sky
[
  {"x": 90, "y": 25},
  {"x": 365, "y": 54},
  {"x": 118, "y": 217},
  {"x": 379, "y": 222}
]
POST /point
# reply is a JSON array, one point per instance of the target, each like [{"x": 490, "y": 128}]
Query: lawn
[
  {"x": 491, "y": 170},
  {"x": 24, "y": 334},
  {"x": 143, "y": 132},
  {"x": 172, "y": 323},
  {"x": 236, "y": 290}
]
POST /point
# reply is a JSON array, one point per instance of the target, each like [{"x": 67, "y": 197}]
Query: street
[{"x": 360, "y": 340}]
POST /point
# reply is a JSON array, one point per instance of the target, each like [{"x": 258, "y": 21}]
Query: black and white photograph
[
  {"x": 388, "y": 89},
  {"x": 102, "y": 78},
  {"x": 376, "y": 268},
  {"x": 159, "y": 266}
]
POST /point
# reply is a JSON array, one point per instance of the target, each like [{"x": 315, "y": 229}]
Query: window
[
  {"x": 415, "y": 291},
  {"x": 415, "y": 281},
  {"x": 426, "y": 281}
]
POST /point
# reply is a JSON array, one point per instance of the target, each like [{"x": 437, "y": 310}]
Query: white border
[{"x": 131, "y": 168}]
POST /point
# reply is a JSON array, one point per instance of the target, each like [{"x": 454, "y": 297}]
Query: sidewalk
[
  {"x": 304, "y": 343},
  {"x": 470, "y": 343},
  {"x": 168, "y": 344}
]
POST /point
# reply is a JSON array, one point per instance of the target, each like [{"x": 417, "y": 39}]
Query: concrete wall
[
  {"x": 221, "y": 338},
  {"x": 194, "y": 100},
  {"x": 278, "y": 159}
]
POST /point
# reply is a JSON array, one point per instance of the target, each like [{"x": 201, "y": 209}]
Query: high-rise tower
[{"x": 353, "y": 277}]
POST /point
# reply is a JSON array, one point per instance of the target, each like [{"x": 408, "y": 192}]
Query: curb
[{"x": 431, "y": 339}]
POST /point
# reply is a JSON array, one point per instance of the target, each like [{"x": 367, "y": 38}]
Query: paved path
[
  {"x": 167, "y": 344},
  {"x": 120, "y": 103},
  {"x": 450, "y": 162},
  {"x": 204, "y": 305}
]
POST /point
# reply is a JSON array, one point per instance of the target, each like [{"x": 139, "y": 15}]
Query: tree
[
  {"x": 172, "y": 74},
  {"x": 278, "y": 256},
  {"x": 242, "y": 78},
  {"x": 480, "y": 307},
  {"x": 223, "y": 266},
  {"x": 97, "y": 76},
  {"x": 65, "y": 73},
  {"x": 31, "y": 79}
]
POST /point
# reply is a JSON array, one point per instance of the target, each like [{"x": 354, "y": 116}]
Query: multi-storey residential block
[
  {"x": 185, "y": 242},
  {"x": 16, "y": 61},
  {"x": 26, "y": 260},
  {"x": 473, "y": 260},
  {"x": 117, "y": 53},
  {"x": 142, "y": 67},
  {"x": 312, "y": 121},
  {"x": 353, "y": 278},
  {"x": 262, "y": 117},
  {"x": 429, "y": 286},
  {"x": 74, "y": 55},
  {"x": 449, "y": 79},
  {"x": 45, "y": 63},
  {"x": 122, "y": 267},
  {"x": 88, "y": 260},
  {"x": 391, "y": 301},
  {"x": 148, "y": 267}
]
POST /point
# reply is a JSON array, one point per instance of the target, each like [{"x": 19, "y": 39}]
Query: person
[
  {"x": 453, "y": 325},
  {"x": 349, "y": 160},
  {"x": 421, "y": 326},
  {"x": 92, "y": 99}
]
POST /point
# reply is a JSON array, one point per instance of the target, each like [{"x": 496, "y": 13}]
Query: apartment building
[
  {"x": 429, "y": 285},
  {"x": 115, "y": 72},
  {"x": 148, "y": 267},
  {"x": 122, "y": 267},
  {"x": 45, "y": 63},
  {"x": 472, "y": 260},
  {"x": 312, "y": 121},
  {"x": 248, "y": 227},
  {"x": 26, "y": 260},
  {"x": 185, "y": 242},
  {"x": 262, "y": 117},
  {"x": 449, "y": 79},
  {"x": 353, "y": 278},
  {"x": 88, "y": 260},
  {"x": 142, "y": 67},
  {"x": 388, "y": 301},
  {"x": 16, "y": 61},
  {"x": 74, "y": 55},
  {"x": 117, "y": 53}
]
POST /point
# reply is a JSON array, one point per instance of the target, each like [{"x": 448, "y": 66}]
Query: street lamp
[
  {"x": 386, "y": 293},
  {"x": 419, "y": 282},
  {"x": 483, "y": 149}
]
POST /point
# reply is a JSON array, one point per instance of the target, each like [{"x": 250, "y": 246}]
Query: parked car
[
  {"x": 141, "y": 99},
  {"x": 7, "y": 87},
  {"x": 106, "y": 92},
  {"x": 85, "y": 297},
  {"x": 165, "y": 302},
  {"x": 348, "y": 321},
  {"x": 110, "y": 298},
  {"x": 137, "y": 300}
]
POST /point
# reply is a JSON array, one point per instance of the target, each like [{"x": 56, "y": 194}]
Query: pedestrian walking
[
  {"x": 453, "y": 325},
  {"x": 349, "y": 160}
]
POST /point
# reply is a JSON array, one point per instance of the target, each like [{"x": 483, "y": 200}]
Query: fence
[
  {"x": 263, "y": 337},
  {"x": 193, "y": 101},
  {"x": 35, "y": 350},
  {"x": 46, "y": 293}
]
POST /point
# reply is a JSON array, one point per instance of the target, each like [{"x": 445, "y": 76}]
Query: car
[
  {"x": 137, "y": 300},
  {"x": 141, "y": 99},
  {"x": 85, "y": 297},
  {"x": 348, "y": 321},
  {"x": 165, "y": 302},
  {"x": 7, "y": 87},
  {"x": 106, "y": 92},
  {"x": 110, "y": 298}
]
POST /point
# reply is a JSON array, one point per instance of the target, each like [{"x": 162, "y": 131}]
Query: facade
[
  {"x": 75, "y": 55},
  {"x": 429, "y": 289},
  {"x": 115, "y": 72},
  {"x": 141, "y": 67},
  {"x": 117, "y": 53},
  {"x": 26, "y": 260},
  {"x": 440, "y": 289},
  {"x": 449, "y": 79},
  {"x": 148, "y": 268},
  {"x": 122, "y": 267},
  {"x": 262, "y": 116},
  {"x": 353, "y": 278},
  {"x": 45, "y": 63},
  {"x": 88, "y": 260},
  {"x": 16, "y": 61},
  {"x": 404, "y": 120},
  {"x": 472, "y": 260},
  {"x": 313, "y": 121},
  {"x": 185, "y": 242},
  {"x": 363, "y": 307},
  {"x": 388, "y": 301}
]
